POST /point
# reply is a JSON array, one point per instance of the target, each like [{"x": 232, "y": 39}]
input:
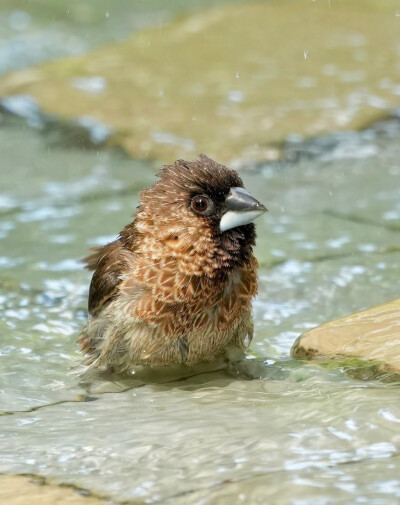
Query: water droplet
[
  {"x": 107, "y": 14},
  {"x": 235, "y": 95},
  {"x": 305, "y": 54},
  {"x": 94, "y": 84},
  {"x": 237, "y": 75}
]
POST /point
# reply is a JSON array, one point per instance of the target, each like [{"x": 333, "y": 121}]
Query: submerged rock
[
  {"x": 372, "y": 334},
  {"x": 233, "y": 81}
]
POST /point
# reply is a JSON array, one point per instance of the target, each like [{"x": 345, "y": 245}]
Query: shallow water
[
  {"x": 297, "y": 433},
  {"x": 41, "y": 30}
]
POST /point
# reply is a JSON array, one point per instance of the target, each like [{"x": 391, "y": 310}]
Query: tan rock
[
  {"x": 233, "y": 81},
  {"x": 373, "y": 334},
  {"x": 23, "y": 490}
]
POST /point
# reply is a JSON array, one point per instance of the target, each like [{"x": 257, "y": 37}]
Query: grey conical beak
[{"x": 241, "y": 208}]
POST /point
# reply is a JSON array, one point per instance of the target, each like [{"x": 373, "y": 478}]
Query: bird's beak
[{"x": 241, "y": 208}]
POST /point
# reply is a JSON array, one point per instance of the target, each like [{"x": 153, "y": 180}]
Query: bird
[{"x": 176, "y": 286}]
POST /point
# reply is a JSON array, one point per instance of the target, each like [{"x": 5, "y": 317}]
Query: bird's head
[{"x": 199, "y": 213}]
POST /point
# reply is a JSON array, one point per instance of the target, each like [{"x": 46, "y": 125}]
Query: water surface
[
  {"x": 271, "y": 429},
  {"x": 296, "y": 433}
]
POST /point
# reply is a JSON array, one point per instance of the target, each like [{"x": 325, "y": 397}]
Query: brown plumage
[{"x": 176, "y": 286}]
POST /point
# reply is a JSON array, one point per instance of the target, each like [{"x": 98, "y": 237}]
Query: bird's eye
[{"x": 200, "y": 204}]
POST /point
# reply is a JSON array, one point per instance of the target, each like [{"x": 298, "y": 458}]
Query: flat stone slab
[
  {"x": 232, "y": 81},
  {"x": 22, "y": 489},
  {"x": 372, "y": 334}
]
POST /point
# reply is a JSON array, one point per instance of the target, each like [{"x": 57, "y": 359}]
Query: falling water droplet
[
  {"x": 107, "y": 14},
  {"x": 237, "y": 75},
  {"x": 305, "y": 54}
]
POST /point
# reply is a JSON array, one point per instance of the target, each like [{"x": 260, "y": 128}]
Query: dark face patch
[
  {"x": 207, "y": 178},
  {"x": 184, "y": 181}
]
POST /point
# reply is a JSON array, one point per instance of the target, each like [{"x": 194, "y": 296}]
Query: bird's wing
[
  {"x": 91, "y": 260},
  {"x": 109, "y": 262}
]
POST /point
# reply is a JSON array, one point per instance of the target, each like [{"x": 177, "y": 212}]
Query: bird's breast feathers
[
  {"x": 161, "y": 319},
  {"x": 176, "y": 286}
]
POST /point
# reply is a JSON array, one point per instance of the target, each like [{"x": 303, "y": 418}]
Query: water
[
  {"x": 299, "y": 433},
  {"x": 35, "y": 31},
  {"x": 268, "y": 430}
]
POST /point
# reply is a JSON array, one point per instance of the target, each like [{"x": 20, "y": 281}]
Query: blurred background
[
  {"x": 235, "y": 79},
  {"x": 302, "y": 97}
]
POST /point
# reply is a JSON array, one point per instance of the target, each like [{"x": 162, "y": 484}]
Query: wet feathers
[{"x": 173, "y": 288}]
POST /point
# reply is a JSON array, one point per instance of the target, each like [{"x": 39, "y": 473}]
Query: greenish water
[
  {"x": 296, "y": 433},
  {"x": 39, "y": 30}
]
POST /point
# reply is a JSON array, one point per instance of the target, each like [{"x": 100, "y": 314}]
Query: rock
[
  {"x": 21, "y": 489},
  {"x": 232, "y": 81},
  {"x": 373, "y": 334}
]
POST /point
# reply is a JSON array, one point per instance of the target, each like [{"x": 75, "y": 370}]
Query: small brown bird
[{"x": 177, "y": 284}]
